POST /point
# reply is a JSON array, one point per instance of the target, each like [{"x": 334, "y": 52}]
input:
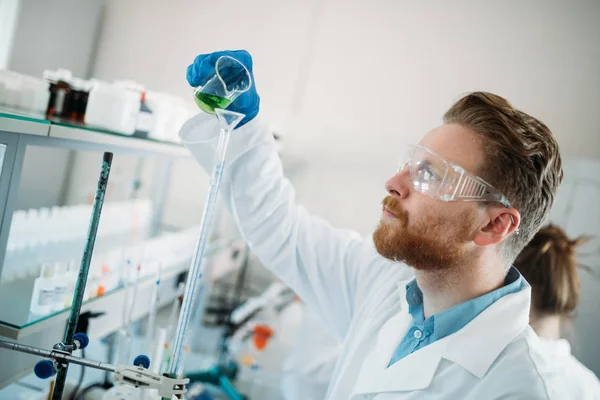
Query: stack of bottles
[
  {"x": 125, "y": 107},
  {"x": 53, "y": 289},
  {"x": 68, "y": 95},
  {"x": 58, "y": 234},
  {"x": 25, "y": 93}
]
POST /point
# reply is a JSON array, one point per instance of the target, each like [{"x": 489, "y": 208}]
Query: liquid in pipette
[{"x": 208, "y": 102}]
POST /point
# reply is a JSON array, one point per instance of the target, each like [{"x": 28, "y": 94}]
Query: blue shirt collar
[{"x": 453, "y": 319}]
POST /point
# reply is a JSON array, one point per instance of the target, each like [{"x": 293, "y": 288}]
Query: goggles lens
[{"x": 427, "y": 173}]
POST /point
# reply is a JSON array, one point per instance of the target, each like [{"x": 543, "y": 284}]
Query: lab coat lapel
[{"x": 376, "y": 377}]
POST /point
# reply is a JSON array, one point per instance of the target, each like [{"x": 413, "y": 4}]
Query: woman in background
[{"x": 548, "y": 263}]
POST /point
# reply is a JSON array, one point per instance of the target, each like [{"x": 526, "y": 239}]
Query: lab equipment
[
  {"x": 59, "y": 92},
  {"x": 124, "y": 335},
  {"x": 54, "y": 235},
  {"x": 274, "y": 296},
  {"x": 61, "y": 286},
  {"x": 198, "y": 392},
  {"x": 151, "y": 327},
  {"x": 230, "y": 79},
  {"x": 228, "y": 121},
  {"x": 228, "y": 82},
  {"x": 440, "y": 179},
  {"x": 166, "y": 335},
  {"x": 136, "y": 375},
  {"x": 72, "y": 273},
  {"x": 61, "y": 354},
  {"x": 77, "y": 100},
  {"x": 175, "y": 309},
  {"x": 145, "y": 118},
  {"x": 43, "y": 291},
  {"x": 112, "y": 107},
  {"x": 84, "y": 269},
  {"x": 169, "y": 114},
  {"x": 23, "y": 92},
  {"x": 224, "y": 373}
]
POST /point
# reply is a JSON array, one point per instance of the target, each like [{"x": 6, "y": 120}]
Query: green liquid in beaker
[{"x": 208, "y": 102}]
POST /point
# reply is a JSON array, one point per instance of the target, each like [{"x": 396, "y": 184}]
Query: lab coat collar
[
  {"x": 480, "y": 342},
  {"x": 376, "y": 377},
  {"x": 474, "y": 347}
]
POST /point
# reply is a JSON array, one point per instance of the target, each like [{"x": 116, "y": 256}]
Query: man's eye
[{"x": 427, "y": 173}]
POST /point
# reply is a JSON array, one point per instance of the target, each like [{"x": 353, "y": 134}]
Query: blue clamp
[
  {"x": 83, "y": 339},
  {"x": 141, "y": 361},
  {"x": 44, "y": 369}
]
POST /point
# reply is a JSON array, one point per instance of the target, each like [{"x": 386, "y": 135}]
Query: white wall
[
  {"x": 9, "y": 10},
  {"x": 55, "y": 34}
]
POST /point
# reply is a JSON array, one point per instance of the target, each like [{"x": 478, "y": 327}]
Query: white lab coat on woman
[
  {"x": 582, "y": 382},
  {"x": 361, "y": 295}
]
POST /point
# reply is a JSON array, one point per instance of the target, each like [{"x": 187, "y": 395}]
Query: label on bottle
[
  {"x": 46, "y": 297},
  {"x": 145, "y": 121},
  {"x": 59, "y": 102},
  {"x": 60, "y": 292}
]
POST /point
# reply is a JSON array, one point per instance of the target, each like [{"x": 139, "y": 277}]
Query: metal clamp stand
[
  {"x": 66, "y": 345},
  {"x": 136, "y": 375}
]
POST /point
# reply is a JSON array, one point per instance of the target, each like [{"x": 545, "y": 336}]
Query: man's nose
[{"x": 398, "y": 185}]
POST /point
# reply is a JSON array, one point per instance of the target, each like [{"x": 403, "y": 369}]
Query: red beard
[{"x": 432, "y": 244}]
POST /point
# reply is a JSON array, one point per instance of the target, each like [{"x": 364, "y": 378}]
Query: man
[{"x": 471, "y": 195}]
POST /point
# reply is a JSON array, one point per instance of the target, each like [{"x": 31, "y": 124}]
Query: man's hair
[
  {"x": 522, "y": 160},
  {"x": 549, "y": 264}
]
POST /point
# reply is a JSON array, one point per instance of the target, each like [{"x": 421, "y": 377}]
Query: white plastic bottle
[
  {"x": 43, "y": 291},
  {"x": 61, "y": 287},
  {"x": 71, "y": 277}
]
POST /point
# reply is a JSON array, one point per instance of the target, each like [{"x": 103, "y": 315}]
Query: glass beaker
[{"x": 231, "y": 78}]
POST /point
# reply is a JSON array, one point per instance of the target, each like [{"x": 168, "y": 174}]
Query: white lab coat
[
  {"x": 582, "y": 382},
  {"x": 361, "y": 296}
]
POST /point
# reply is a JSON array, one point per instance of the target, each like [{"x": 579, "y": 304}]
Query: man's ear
[{"x": 501, "y": 223}]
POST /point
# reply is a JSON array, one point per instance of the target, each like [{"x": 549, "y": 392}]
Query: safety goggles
[{"x": 438, "y": 178}]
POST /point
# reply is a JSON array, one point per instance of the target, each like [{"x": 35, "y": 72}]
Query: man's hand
[{"x": 203, "y": 68}]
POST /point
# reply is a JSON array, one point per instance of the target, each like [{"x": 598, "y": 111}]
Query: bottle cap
[
  {"x": 47, "y": 270},
  {"x": 49, "y": 75},
  {"x": 72, "y": 266},
  {"x": 63, "y": 75},
  {"x": 61, "y": 269}
]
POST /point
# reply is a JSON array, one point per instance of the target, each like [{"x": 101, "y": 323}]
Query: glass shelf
[
  {"x": 15, "y": 296},
  {"x": 12, "y": 113},
  {"x": 40, "y": 118}
]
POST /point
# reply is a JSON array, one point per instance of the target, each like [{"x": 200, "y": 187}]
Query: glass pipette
[{"x": 228, "y": 121}]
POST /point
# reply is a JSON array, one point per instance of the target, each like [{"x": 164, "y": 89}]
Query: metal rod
[
  {"x": 195, "y": 273},
  {"x": 84, "y": 269},
  {"x": 58, "y": 356}
]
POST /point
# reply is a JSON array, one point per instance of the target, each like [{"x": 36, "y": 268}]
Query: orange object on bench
[{"x": 262, "y": 334}]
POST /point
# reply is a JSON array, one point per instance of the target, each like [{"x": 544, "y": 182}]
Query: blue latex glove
[{"x": 203, "y": 67}]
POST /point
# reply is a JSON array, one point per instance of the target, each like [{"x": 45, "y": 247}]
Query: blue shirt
[{"x": 423, "y": 331}]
